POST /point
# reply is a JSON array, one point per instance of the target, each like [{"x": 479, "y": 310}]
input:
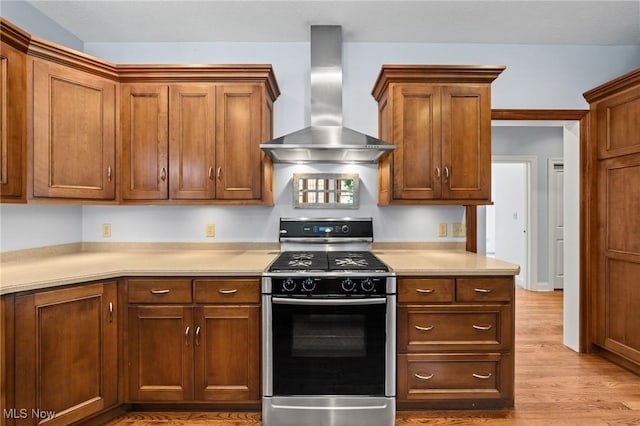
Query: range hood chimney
[{"x": 326, "y": 141}]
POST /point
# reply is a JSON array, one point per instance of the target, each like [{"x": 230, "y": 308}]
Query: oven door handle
[{"x": 328, "y": 302}]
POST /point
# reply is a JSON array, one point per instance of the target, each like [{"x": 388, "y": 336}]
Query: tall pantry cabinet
[{"x": 615, "y": 293}]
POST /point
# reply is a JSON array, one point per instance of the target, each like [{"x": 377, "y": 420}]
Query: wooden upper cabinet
[
  {"x": 192, "y": 141},
  {"x": 74, "y": 134},
  {"x": 416, "y": 133},
  {"x": 214, "y": 124},
  {"x": 439, "y": 118},
  {"x": 238, "y": 138},
  {"x": 13, "y": 112},
  {"x": 145, "y": 141},
  {"x": 466, "y": 142}
]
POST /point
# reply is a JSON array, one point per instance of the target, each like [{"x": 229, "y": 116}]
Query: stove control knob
[
  {"x": 367, "y": 285},
  {"x": 348, "y": 285},
  {"x": 308, "y": 284},
  {"x": 345, "y": 228},
  {"x": 288, "y": 285}
]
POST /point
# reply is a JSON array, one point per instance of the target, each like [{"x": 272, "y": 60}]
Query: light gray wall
[
  {"x": 37, "y": 24},
  {"x": 536, "y": 77},
  {"x": 543, "y": 143},
  {"x": 25, "y": 227}
]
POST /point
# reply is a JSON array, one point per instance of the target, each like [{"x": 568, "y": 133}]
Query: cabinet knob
[
  {"x": 219, "y": 173},
  {"x": 109, "y": 174},
  {"x": 446, "y": 172},
  {"x": 438, "y": 173},
  {"x": 163, "y": 174},
  {"x": 210, "y": 173},
  {"x": 186, "y": 336}
]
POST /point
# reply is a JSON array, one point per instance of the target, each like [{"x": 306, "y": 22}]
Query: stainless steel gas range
[{"x": 328, "y": 328}]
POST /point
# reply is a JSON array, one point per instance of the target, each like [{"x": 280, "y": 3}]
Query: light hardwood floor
[{"x": 554, "y": 385}]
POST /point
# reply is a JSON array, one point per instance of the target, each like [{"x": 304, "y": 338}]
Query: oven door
[{"x": 329, "y": 347}]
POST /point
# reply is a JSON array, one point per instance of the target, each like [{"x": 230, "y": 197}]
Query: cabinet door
[
  {"x": 227, "y": 353},
  {"x": 145, "y": 142},
  {"x": 466, "y": 142},
  {"x": 66, "y": 353},
  {"x": 416, "y": 134},
  {"x": 238, "y": 138},
  {"x": 618, "y": 297},
  {"x": 617, "y": 124},
  {"x": 192, "y": 141},
  {"x": 74, "y": 116},
  {"x": 13, "y": 123},
  {"x": 160, "y": 353}
]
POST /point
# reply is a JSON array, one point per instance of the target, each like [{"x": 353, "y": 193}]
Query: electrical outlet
[
  {"x": 458, "y": 230},
  {"x": 442, "y": 230},
  {"x": 106, "y": 230},
  {"x": 211, "y": 230}
]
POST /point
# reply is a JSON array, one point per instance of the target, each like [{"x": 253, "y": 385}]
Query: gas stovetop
[{"x": 327, "y": 261}]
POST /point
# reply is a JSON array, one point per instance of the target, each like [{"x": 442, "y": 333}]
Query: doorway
[{"x": 510, "y": 228}]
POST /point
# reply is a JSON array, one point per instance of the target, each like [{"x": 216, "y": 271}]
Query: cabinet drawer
[
  {"x": 455, "y": 376},
  {"x": 468, "y": 327},
  {"x": 425, "y": 290},
  {"x": 496, "y": 289},
  {"x": 162, "y": 290},
  {"x": 244, "y": 290}
]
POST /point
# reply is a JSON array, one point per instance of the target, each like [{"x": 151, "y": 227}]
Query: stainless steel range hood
[{"x": 326, "y": 141}]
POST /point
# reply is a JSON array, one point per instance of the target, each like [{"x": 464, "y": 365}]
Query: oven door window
[{"x": 329, "y": 350}]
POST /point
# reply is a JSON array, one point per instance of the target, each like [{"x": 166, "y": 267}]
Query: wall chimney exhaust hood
[{"x": 326, "y": 141}]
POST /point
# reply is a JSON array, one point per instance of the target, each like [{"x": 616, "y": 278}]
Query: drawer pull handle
[
  {"x": 483, "y": 290},
  {"x": 197, "y": 336},
  {"x": 186, "y": 336},
  {"x": 230, "y": 291},
  {"x": 482, "y": 376},
  {"x": 165, "y": 291},
  {"x": 425, "y": 290},
  {"x": 422, "y": 377},
  {"x": 483, "y": 327},
  {"x": 110, "y": 311},
  {"x": 429, "y": 328}
]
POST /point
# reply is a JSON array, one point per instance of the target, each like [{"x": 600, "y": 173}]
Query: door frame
[{"x": 588, "y": 197}]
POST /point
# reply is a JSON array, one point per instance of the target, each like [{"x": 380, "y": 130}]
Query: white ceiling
[{"x": 603, "y": 22}]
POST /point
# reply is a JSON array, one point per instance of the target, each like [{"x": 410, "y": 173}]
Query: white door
[
  {"x": 556, "y": 224},
  {"x": 507, "y": 232}
]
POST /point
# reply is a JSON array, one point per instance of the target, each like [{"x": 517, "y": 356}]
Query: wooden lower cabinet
[
  {"x": 206, "y": 351},
  {"x": 455, "y": 342},
  {"x": 66, "y": 354}
]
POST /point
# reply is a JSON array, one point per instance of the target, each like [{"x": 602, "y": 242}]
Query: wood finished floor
[{"x": 554, "y": 385}]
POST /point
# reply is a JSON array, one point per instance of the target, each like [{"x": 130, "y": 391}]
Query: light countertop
[{"x": 43, "y": 271}]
